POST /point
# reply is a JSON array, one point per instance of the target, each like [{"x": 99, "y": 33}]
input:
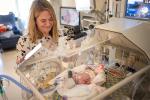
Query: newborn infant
[
  {"x": 84, "y": 77},
  {"x": 88, "y": 75}
]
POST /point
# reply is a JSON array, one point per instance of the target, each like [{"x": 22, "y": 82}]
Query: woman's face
[{"x": 44, "y": 22}]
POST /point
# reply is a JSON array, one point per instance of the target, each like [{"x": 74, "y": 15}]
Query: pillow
[
  {"x": 6, "y": 34},
  {"x": 3, "y": 28},
  {"x": 15, "y": 30}
]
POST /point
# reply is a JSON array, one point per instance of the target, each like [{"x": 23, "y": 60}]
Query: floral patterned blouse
[{"x": 24, "y": 45}]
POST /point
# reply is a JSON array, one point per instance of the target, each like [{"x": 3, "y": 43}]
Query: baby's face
[{"x": 83, "y": 78}]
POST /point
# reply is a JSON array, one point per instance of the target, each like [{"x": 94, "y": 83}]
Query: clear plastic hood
[
  {"x": 135, "y": 33},
  {"x": 139, "y": 35}
]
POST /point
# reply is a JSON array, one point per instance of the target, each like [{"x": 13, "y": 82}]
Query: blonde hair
[{"x": 37, "y": 7}]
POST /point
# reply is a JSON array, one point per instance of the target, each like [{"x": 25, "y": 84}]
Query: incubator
[{"x": 95, "y": 67}]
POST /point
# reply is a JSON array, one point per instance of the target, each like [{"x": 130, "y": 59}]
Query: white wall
[
  {"x": 123, "y": 2},
  {"x": 100, "y": 5},
  {"x": 68, "y": 3},
  {"x": 56, "y": 5},
  {"x": 71, "y": 3}
]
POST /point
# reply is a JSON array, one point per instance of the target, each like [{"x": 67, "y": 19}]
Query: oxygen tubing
[{"x": 16, "y": 82}]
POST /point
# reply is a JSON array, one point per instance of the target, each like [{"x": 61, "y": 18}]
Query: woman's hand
[
  {"x": 50, "y": 45},
  {"x": 19, "y": 60}
]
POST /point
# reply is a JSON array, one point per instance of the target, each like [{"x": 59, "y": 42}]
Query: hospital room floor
[{"x": 7, "y": 64}]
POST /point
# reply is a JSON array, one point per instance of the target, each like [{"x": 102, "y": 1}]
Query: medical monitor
[
  {"x": 138, "y": 9},
  {"x": 69, "y": 16}
]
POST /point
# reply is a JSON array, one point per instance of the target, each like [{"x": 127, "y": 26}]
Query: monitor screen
[
  {"x": 138, "y": 9},
  {"x": 69, "y": 16}
]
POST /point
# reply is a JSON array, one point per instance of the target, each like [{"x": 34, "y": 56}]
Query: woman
[{"x": 42, "y": 27}]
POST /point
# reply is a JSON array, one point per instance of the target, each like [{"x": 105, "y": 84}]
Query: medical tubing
[{"x": 16, "y": 82}]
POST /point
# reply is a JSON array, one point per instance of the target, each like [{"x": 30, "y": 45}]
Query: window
[
  {"x": 23, "y": 10},
  {"x": 7, "y": 6},
  {"x": 18, "y": 7}
]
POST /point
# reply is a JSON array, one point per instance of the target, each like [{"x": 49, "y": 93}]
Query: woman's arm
[{"x": 22, "y": 49}]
